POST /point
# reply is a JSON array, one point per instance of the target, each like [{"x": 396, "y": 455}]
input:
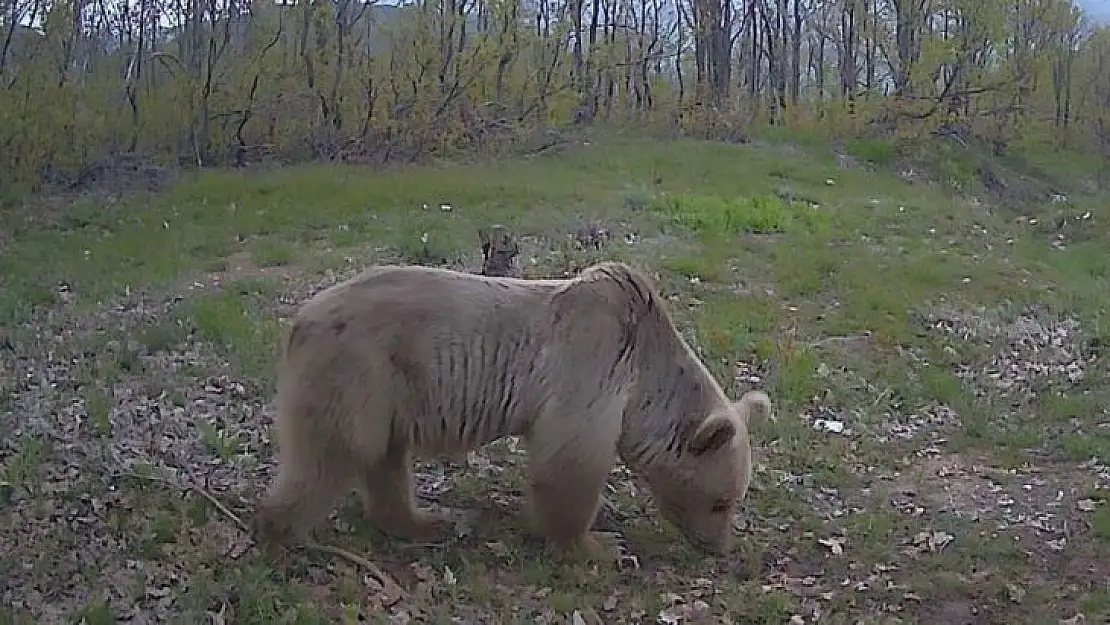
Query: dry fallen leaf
[
  {"x": 629, "y": 561},
  {"x": 1086, "y": 505},
  {"x": 835, "y": 545},
  {"x": 498, "y": 548},
  {"x": 933, "y": 541},
  {"x": 422, "y": 572},
  {"x": 1016, "y": 593},
  {"x": 219, "y": 618},
  {"x": 671, "y": 615},
  {"x": 586, "y": 617}
]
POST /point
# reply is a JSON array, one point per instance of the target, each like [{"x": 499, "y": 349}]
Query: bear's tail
[{"x": 755, "y": 402}]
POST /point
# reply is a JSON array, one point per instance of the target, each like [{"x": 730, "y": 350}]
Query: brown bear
[{"x": 404, "y": 361}]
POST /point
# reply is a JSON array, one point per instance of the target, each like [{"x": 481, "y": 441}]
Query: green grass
[
  {"x": 879, "y": 152},
  {"x": 728, "y": 217},
  {"x": 816, "y": 278},
  {"x": 269, "y": 253},
  {"x": 235, "y": 320}
]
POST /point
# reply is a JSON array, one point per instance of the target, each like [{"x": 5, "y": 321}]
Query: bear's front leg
[
  {"x": 565, "y": 495},
  {"x": 387, "y": 493},
  {"x": 305, "y": 489}
]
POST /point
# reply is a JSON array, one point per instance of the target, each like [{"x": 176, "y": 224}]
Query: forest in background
[{"x": 84, "y": 83}]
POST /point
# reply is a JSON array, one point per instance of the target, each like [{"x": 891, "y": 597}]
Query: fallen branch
[
  {"x": 240, "y": 523},
  {"x": 841, "y": 339},
  {"x": 390, "y": 587}
]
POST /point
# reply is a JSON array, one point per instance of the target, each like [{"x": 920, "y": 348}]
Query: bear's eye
[{"x": 722, "y": 505}]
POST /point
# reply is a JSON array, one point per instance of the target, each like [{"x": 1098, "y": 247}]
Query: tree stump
[
  {"x": 499, "y": 248},
  {"x": 593, "y": 235}
]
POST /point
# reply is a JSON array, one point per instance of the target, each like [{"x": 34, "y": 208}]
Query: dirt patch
[{"x": 1044, "y": 499}]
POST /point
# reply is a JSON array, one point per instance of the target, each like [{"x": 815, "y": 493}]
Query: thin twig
[
  {"x": 389, "y": 586},
  {"x": 841, "y": 339},
  {"x": 242, "y": 525},
  {"x": 406, "y": 545},
  {"x": 882, "y": 396}
]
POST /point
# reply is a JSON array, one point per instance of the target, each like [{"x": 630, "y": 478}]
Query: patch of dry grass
[{"x": 942, "y": 452}]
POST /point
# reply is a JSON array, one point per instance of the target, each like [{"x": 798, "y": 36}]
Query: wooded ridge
[{"x": 214, "y": 82}]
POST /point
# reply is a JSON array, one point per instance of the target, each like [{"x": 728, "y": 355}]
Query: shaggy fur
[{"x": 405, "y": 361}]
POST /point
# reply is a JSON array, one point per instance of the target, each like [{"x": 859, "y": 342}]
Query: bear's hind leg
[{"x": 387, "y": 492}]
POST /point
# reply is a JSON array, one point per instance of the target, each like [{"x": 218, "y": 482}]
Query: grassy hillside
[{"x": 929, "y": 331}]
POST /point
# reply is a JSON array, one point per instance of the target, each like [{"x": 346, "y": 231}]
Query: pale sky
[{"x": 1099, "y": 10}]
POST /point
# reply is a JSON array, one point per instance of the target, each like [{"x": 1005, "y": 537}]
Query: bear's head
[{"x": 708, "y": 474}]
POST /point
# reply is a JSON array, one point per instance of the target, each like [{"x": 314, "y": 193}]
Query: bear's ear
[
  {"x": 754, "y": 404},
  {"x": 714, "y": 434}
]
